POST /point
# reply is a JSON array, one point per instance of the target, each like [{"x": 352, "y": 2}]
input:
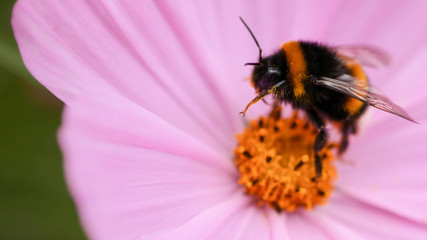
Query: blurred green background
[{"x": 34, "y": 200}]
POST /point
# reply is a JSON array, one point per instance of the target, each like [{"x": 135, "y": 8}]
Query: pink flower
[{"x": 153, "y": 90}]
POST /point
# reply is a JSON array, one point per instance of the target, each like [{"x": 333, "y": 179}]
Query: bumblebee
[{"x": 327, "y": 83}]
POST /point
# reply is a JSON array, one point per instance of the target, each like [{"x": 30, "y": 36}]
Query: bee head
[{"x": 267, "y": 73}]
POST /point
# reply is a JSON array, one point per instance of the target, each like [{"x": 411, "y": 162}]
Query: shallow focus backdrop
[{"x": 34, "y": 201}]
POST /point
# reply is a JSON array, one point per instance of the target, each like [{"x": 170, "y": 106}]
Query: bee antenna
[
  {"x": 253, "y": 36},
  {"x": 253, "y": 64}
]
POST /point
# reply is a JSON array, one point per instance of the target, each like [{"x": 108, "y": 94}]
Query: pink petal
[
  {"x": 129, "y": 171},
  {"x": 388, "y": 168},
  {"x": 300, "y": 226},
  {"x": 78, "y": 45},
  {"x": 234, "y": 220},
  {"x": 367, "y": 221},
  {"x": 211, "y": 223},
  {"x": 316, "y": 225},
  {"x": 252, "y": 223},
  {"x": 278, "y": 227},
  {"x": 334, "y": 228}
]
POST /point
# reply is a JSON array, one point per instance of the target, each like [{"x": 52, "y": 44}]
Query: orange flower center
[{"x": 275, "y": 158}]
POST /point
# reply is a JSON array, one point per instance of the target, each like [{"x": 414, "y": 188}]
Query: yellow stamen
[{"x": 275, "y": 158}]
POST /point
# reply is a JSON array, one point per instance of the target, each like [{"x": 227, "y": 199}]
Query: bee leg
[
  {"x": 262, "y": 95},
  {"x": 348, "y": 128},
  {"x": 321, "y": 139},
  {"x": 322, "y": 136}
]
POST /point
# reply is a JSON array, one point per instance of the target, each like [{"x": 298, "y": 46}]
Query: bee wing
[
  {"x": 345, "y": 85},
  {"x": 365, "y": 55}
]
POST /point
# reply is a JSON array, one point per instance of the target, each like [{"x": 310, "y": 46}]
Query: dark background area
[{"x": 34, "y": 200}]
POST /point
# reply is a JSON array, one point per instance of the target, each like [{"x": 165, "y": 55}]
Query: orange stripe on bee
[
  {"x": 297, "y": 66},
  {"x": 353, "y": 105}
]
